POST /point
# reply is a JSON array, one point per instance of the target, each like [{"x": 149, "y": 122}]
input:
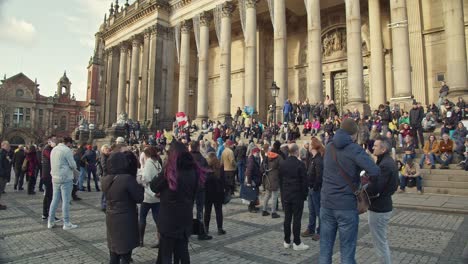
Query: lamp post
[
  {"x": 81, "y": 129},
  {"x": 274, "y": 93},
  {"x": 91, "y": 136},
  {"x": 157, "y": 109}
]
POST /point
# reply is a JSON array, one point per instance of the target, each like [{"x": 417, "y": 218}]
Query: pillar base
[
  {"x": 199, "y": 120},
  {"x": 225, "y": 118},
  {"x": 405, "y": 103},
  {"x": 363, "y": 108}
]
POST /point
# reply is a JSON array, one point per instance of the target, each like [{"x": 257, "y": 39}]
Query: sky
[{"x": 44, "y": 38}]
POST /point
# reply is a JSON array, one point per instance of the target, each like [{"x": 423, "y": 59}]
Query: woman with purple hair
[{"x": 177, "y": 189}]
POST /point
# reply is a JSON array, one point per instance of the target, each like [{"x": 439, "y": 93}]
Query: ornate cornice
[
  {"x": 228, "y": 8},
  {"x": 186, "y": 26},
  {"x": 121, "y": 23},
  {"x": 205, "y": 18},
  {"x": 179, "y": 4},
  {"x": 136, "y": 40},
  {"x": 124, "y": 46},
  {"x": 251, "y": 3}
]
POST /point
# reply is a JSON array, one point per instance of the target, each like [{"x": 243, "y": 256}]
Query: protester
[
  {"x": 228, "y": 162},
  {"x": 18, "y": 159},
  {"x": 240, "y": 154},
  {"x": 411, "y": 172},
  {"x": 253, "y": 179},
  {"x": 416, "y": 115},
  {"x": 338, "y": 211},
  {"x": 271, "y": 180},
  {"x": 381, "y": 191},
  {"x": 315, "y": 175},
  {"x": 151, "y": 170},
  {"x": 30, "y": 166},
  {"x": 295, "y": 188},
  {"x": 105, "y": 152},
  {"x": 177, "y": 189},
  {"x": 122, "y": 195},
  {"x": 446, "y": 152},
  {"x": 4, "y": 169},
  {"x": 63, "y": 169},
  {"x": 90, "y": 159},
  {"x": 215, "y": 193},
  {"x": 431, "y": 149}
]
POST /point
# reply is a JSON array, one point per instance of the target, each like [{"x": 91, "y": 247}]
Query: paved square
[{"x": 415, "y": 237}]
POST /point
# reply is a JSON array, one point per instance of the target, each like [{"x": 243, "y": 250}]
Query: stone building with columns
[{"x": 208, "y": 57}]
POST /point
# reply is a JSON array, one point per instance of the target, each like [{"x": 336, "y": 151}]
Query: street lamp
[
  {"x": 157, "y": 109},
  {"x": 81, "y": 129},
  {"x": 274, "y": 93},
  {"x": 91, "y": 136}
]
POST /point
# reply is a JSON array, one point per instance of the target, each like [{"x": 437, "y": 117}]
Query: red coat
[
  {"x": 33, "y": 163},
  {"x": 308, "y": 125}
]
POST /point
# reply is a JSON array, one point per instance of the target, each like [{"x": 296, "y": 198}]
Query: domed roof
[{"x": 64, "y": 78}]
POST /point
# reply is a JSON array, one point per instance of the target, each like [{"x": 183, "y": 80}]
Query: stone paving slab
[{"x": 414, "y": 236}]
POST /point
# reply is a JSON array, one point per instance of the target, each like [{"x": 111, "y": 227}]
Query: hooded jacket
[
  {"x": 220, "y": 149},
  {"x": 272, "y": 181},
  {"x": 336, "y": 194},
  {"x": 62, "y": 164}
]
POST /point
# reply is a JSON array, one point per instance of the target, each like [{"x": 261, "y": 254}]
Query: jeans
[
  {"x": 81, "y": 178},
  {"x": 407, "y": 156},
  {"x": 314, "y": 210},
  {"x": 293, "y": 211},
  {"x": 92, "y": 170},
  {"x": 274, "y": 202},
  {"x": 378, "y": 223},
  {"x": 63, "y": 191},
  {"x": 286, "y": 117},
  {"x": 418, "y": 133},
  {"x": 423, "y": 159},
  {"x": 241, "y": 171},
  {"x": 404, "y": 179},
  {"x": 200, "y": 202},
  {"x": 447, "y": 161},
  {"x": 47, "y": 197},
  {"x": 19, "y": 179},
  {"x": 31, "y": 184},
  {"x": 346, "y": 222},
  {"x": 144, "y": 209},
  {"x": 230, "y": 181}
]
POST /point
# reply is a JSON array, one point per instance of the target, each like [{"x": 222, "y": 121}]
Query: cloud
[
  {"x": 87, "y": 42},
  {"x": 17, "y": 31},
  {"x": 94, "y": 8}
]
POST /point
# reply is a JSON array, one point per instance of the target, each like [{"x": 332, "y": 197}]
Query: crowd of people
[{"x": 172, "y": 173}]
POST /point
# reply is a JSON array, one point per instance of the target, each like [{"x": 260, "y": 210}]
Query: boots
[
  {"x": 142, "y": 228},
  {"x": 202, "y": 235}
]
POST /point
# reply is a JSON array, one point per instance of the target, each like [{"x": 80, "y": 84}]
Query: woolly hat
[{"x": 349, "y": 126}]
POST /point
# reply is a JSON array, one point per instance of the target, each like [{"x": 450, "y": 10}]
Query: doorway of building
[{"x": 340, "y": 89}]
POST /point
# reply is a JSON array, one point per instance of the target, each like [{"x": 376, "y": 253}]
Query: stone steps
[{"x": 453, "y": 181}]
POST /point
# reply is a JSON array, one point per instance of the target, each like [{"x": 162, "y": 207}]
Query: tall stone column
[
  {"x": 134, "y": 79},
  {"x": 354, "y": 51},
  {"x": 400, "y": 49},
  {"x": 122, "y": 91},
  {"x": 377, "y": 66},
  {"x": 251, "y": 53},
  {"x": 457, "y": 77},
  {"x": 108, "y": 119},
  {"x": 143, "y": 93},
  {"x": 202, "y": 98},
  {"x": 280, "y": 51},
  {"x": 225, "y": 65},
  {"x": 184, "y": 70},
  {"x": 314, "y": 52}
]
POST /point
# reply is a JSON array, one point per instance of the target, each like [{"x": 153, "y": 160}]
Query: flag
[{"x": 181, "y": 119}]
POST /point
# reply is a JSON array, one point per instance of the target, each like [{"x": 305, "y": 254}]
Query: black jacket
[
  {"x": 240, "y": 153},
  {"x": 253, "y": 171},
  {"x": 214, "y": 186},
  {"x": 315, "y": 172},
  {"x": 176, "y": 209},
  {"x": 382, "y": 187},
  {"x": 122, "y": 195},
  {"x": 416, "y": 116},
  {"x": 18, "y": 159},
  {"x": 294, "y": 180},
  {"x": 45, "y": 163},
  {"x": 4, "y": 164}
]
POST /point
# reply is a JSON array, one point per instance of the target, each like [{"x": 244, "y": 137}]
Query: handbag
[
  {"x": 362, "y": 198},
  {"x": 249, "y": 193},
  {"x": 24, "y": 166}
]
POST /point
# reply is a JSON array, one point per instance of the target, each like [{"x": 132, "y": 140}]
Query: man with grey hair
[
  {"x": 4, "y": 168},
  {"x": 294, "y": 181},
  {"x": 381, "y": 189}
]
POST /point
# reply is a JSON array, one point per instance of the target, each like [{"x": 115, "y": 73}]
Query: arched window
[
  {"x": 63, "y": 123},
  {"x": 19, "y": 93}
]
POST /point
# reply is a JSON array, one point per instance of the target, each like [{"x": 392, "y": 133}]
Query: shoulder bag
[{"x": 362, "y": 198}]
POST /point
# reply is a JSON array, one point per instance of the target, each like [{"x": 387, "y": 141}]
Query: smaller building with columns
[{"x": 208, "y": 57}]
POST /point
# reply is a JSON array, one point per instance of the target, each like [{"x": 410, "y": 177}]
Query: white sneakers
[
  {"x": 68, "y": 226},
  {"x": 299, "y": 247}
]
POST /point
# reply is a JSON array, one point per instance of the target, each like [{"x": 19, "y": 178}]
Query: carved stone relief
[{"x": 334, "y": 43}]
